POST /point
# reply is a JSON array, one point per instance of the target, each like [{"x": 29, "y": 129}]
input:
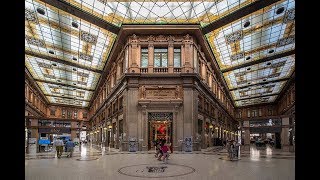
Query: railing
[
  {"x": 160, "y": 70},
  {"x": 176, "y": 70},
  {"x": 143, "y": 70}
]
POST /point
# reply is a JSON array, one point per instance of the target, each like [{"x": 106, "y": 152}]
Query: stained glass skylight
[
  {"x": 53, "y": 36},
  {"x": 120, "y": 12}
]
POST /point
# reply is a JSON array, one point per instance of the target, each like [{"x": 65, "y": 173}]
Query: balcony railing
[
  {"x": 160, "y": 70},
  {"x": 176, "y": 70},
  {"x": 143, "y": 70}
]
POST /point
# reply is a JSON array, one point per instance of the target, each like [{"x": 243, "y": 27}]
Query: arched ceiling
[{"x": 67, "y": 42}]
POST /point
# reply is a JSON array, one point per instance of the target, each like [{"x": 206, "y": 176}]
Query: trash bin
[
  {"x": 188, "y": 144},
  {"x": 133, "y": 145}
]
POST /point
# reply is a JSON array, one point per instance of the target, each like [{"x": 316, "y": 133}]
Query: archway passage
[{"x": 159, "y": 130}]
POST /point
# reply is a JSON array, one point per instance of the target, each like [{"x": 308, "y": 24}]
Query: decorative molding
[
  {"x": 160, "y": 116},
  {"x": 160, "y": 92}
]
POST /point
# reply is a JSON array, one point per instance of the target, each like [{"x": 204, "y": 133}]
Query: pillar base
[
  {"x": 245, "y": 147},
  {"x": 287, "y": 148}
]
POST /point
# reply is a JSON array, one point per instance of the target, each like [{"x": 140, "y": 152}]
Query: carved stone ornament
[
  {"x": 151, "y": 38},
  {"x": 187, "y": 37},
  {"x": 161, "y": 38}
]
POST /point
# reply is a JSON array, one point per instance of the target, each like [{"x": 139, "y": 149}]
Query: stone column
[
  {"x": 132, "y": 109},
  {"x": 117, "y": 133},
  {"x": 188, "y": 54},
  {"x": 210, "y": 81},
  {"x": 33, "y": 148},
  {"x": 190, "y": 115},
  {"x": 175, "y": 143},
  {"x": 73, "y": 131},
  {"x": 118, "y": 71},
  {"x": 135, "y": 54},
  {"x": 112, "y": 136},
  {"x": 150, "y": 54},
  {"x": 203, "y": 138},
  {"x": 285, "y": 134},
  {"x": 246, "y": 129},
  {"x": 144, "y": 120},
  {"x": 210, "y": 136},
  {"x": 170, "y": 57}
]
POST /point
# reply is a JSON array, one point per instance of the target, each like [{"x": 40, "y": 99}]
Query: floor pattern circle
[{"x": 159, "y": 170}]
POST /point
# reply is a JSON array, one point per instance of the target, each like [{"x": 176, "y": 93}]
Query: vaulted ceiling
[{"x": 67, "y": 42}]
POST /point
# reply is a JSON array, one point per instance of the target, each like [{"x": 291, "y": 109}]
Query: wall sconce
[
  {"x": 98, "y": 131},
  {"x": 109, "y": 126},
  {"x": 216, "y": 128},
  {"x": 105, "y": 128},
  {"x": 210, "y": 126}
]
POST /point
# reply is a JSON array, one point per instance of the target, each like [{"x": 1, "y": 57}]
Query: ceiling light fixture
[
  {"x": 74, "y": 24},
  {"x": 246, "y": 24},
  {"x": 271, "y": 51},
  {"x": 40, "y": 11},
  {"x": 280, "y": 10}
]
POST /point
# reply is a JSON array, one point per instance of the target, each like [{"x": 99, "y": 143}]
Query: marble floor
[{"x": 97, "y": 163}]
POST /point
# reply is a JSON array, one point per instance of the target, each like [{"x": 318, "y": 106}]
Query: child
[{"x": 165, "y": 152}]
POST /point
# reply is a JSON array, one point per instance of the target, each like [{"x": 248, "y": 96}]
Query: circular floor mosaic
[{"x": 156, "y": 170}]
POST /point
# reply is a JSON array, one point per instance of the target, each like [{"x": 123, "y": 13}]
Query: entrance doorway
[{"x": 161, "y": 130}]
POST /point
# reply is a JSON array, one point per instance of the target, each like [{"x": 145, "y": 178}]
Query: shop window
[
  {"x": 177, "y": 57},
  {"x": 144, "y": 57},
  {"x": 160, "y": 57}
]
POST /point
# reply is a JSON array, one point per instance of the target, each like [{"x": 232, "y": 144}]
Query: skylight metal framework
[{"x": 68, "y": 42}]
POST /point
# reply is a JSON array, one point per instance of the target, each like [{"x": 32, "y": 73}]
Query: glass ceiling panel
[
  {"x": 252, "y": 101},
  {"x": 65, "y": 94},
  {"x": 68, "y": 101},
  {"x": 118, "y": 12},
  {"x": 258, "y": 90},
  {"x": 261, "y": 34},
  {"x": 262, "y": 72},
  {"x": 58, "y": 34},
  {"x": 42, "y": 69}
]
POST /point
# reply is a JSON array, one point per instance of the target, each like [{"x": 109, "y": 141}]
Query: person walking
[
  {"x": 237, "y": 148},
  {"x": 158, "y": 148},
  {"x": 70, "y": 146},
  {"x": 165, "y": 152},
  {"x": 58, "y": 143}
]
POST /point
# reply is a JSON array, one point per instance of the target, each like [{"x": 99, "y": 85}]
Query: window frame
[{"x": 161, "y": 57}]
